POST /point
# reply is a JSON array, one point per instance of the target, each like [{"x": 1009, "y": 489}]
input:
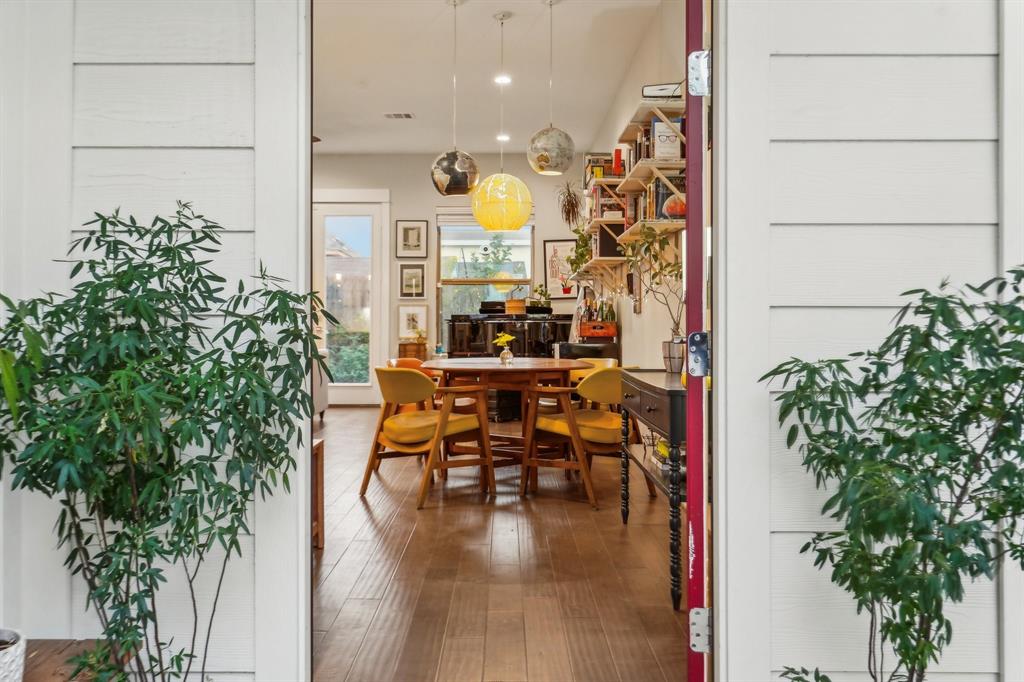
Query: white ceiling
[{"x": 373, "y": 57}]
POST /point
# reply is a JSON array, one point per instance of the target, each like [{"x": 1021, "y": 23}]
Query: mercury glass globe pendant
[
  {"x": 503, "y": 201},
  {"x": 551, "y": 150},
  {"x": 454, "y": 172}
]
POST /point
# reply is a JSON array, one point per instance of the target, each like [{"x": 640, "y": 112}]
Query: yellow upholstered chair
[
  {"x": 587, "y": 431},
  {"x": 422, "y": 432}
]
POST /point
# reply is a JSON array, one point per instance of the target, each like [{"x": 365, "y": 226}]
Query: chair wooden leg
[
  {"x": 529, "y": 445},
  {"x": 485, "y": 443},
  {"x": 581, "y": 452},
  {"x": 435, "y": 450},
  {"x": 373, "y": 461}
]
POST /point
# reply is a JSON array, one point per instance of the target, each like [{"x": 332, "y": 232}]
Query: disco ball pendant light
[
  {"x": 503, "y": 201},
  {"x": 551, "y": 150},
  {"x": 454, "y": 172}
]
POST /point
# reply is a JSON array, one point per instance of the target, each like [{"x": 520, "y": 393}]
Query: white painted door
[{"x": 349, "y": 271}]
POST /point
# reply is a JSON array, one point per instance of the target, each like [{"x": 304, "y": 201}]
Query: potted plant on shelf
[
  {"x": 653, "y": 260},
  {"x": 571, "y": 207},
  {"x": 540, "y": 302},
  {"x": 501, "y": 341},
  {"x": 154, "y": 402},
  {"x": 582, "y": 252},
  {"x": 919, "y": 444},
  {"x": 12, "y": 656}
]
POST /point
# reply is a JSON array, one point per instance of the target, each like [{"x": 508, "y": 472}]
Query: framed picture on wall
[
  {"x": 411, "y": 318},
  {"x": 411, "y": 239},
  {"x": 556, "y": 267},
  {"x": 412, "y": 278}
]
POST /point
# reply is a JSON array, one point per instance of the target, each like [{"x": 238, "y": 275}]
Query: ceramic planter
[
  {"x": 12, "y": 659},
  {"x": 674, "y": 355}
]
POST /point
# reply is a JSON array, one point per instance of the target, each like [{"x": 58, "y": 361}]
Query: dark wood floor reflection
[{"x": 475, "y": 589}]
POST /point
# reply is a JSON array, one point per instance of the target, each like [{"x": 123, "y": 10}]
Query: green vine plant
[
  {"x": 654, "y": 261},
  {"x": 920, "y": 444},
  {"x": 155, "y": 405}
]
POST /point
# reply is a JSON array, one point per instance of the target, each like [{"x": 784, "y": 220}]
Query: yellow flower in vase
[{"x": 501, "y": 341}]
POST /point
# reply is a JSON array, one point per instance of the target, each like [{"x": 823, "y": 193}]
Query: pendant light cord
[
  {"x": 551, "y": 63},
  {"x": 501, "y": 98},
  {"x": 455, "y": 42}
]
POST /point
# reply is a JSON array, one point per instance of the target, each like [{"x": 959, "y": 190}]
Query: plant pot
[
  {"x": 12, "y": 656},
  {"x": 566, "y": 290},
  {"x": 506, "y": 357},
  {"x": 674, "y": 355}
]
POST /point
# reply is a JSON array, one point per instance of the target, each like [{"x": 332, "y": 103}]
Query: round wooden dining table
[{"x": 523, "y": 372}]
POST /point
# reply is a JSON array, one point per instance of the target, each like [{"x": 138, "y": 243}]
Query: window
[
  {"x": 347, "y": 248},
  {"x": 475, "y": 265}
]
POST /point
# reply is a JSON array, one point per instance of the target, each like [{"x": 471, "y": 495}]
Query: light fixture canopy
[
  {"x": 454, "y": 172},
  {"x": 503, "y": 79},
  {"x": 551, "y": 150},
  {"x": 502, "y": 137},
  {"x": 502, "y": 202}
]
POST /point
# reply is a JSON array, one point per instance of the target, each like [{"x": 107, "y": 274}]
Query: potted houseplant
[
  {"x": 920, "y": 444},
  {"x": 12, "y": 656},
  {"x": 571, "y": 207},
  {"x": 653, "y": 261},
  {"x": 154, "y": 401},
  {"x": 540, "y": 302}
]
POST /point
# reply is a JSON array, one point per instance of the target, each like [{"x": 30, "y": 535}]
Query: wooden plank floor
[
  {"x": 46, "y": 659},
  {"x": 471, "y": 589}
]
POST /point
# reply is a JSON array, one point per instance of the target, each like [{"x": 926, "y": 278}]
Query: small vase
[
  {"x": 12, "y": 658},
  {"x": 673, "y": 353},
  {"x": 506, "y": 357}
]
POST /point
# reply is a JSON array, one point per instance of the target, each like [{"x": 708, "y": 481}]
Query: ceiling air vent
[{"x": 397, "y": 115}]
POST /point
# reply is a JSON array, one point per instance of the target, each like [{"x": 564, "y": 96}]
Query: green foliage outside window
[
  {"x": 154, "y": 403},
  {"x": 920, "y": 442},
  {"x": 348, "y": 355}
]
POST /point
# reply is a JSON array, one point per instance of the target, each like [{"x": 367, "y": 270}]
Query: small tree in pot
[
  {"x": 154, "y": 430},
  {"x": 921, "y": 442},
  {"x": 653, "y": 260}
]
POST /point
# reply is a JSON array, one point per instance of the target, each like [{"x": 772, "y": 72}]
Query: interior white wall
[
  {"x": 105, "y": 104},
  {"x": 659, "y": 59},
  {"x": 413, "y": 197}
]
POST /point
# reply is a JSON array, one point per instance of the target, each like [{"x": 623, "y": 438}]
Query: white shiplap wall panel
[
  {"x": 859, "y": 157},
  {"x": 872, "y": 265},
  {"x": 164, "y": 31},
  {"x": 148, "y": 182},
  {"x": 884, "y": 97},
  {"x": 147, "y": 105},
  {"x": 883, "y": 182},
  {"x": 235, "y": 261},
  {"x": 934, "y": 27},
  {"x": 231, "y": 647},
  {"x": 815, "y": 623},
  {"x": 814, "y": 333}
]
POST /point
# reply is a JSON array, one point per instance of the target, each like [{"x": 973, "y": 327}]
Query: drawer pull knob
[
  {"x": 650, "y": 408},
  {"x": 628, "y": 396}
]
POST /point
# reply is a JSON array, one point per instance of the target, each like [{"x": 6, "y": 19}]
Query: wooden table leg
[{"x": 318, "y": 493}]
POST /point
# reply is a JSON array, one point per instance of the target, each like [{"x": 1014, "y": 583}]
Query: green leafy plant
[
  {"x": 541, "y": 295},
  {"x": 582, "y": 251},
  {"x": 155, "y": 406},
  {"x": 920, "y": 445},
  {"x": 653, "y": 260}
]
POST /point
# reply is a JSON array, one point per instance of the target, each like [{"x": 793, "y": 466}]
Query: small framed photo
[
  {"x": 556, "y": 267},
  {"x": 411, "y": 319},
  {"x": 410, "y": 239},
  {"x": 412, "y": 278}
]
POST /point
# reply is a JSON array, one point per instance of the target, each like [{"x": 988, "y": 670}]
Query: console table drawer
[
  {"x": 654, "y": 409},
  {"x": 631, "y": 398}
]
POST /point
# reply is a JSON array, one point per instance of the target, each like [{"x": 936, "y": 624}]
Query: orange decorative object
[
  {"x": 599, "y": 329},
  {"x": 674, "y": 207}
]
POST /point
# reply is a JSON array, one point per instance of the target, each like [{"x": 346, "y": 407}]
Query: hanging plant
[{"x": 155, "y": 406}]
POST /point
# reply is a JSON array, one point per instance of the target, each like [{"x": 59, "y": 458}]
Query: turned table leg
[
  {"x": 674, "y": 524},
  {"x": 624, "y": 478}
]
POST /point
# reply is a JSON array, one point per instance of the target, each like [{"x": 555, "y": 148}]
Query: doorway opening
[{"x": 586, "y": 572}]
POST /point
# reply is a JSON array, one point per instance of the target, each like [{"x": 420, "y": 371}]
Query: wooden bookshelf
[
  {"x": 632, "y": 233},
  {"x": 644, "y": 170}
]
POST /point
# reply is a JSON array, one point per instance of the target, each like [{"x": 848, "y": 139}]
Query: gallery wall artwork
[
  {"x": 411, "y": 238},
  {"x": 556, "y": 267}
]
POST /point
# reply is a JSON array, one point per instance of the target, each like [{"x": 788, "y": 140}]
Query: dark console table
[{"x": 657, "y": 399}]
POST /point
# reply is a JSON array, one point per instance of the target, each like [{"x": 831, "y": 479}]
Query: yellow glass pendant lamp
[{"x": 502, "y": 202}]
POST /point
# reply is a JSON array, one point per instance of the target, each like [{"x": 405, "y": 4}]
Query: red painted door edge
[{"x": 696, "y": 528}]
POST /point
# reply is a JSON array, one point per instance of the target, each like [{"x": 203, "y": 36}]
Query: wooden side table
[
  {"x": 318, "y": 493},
  {"x": 412, "y": 349}
]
